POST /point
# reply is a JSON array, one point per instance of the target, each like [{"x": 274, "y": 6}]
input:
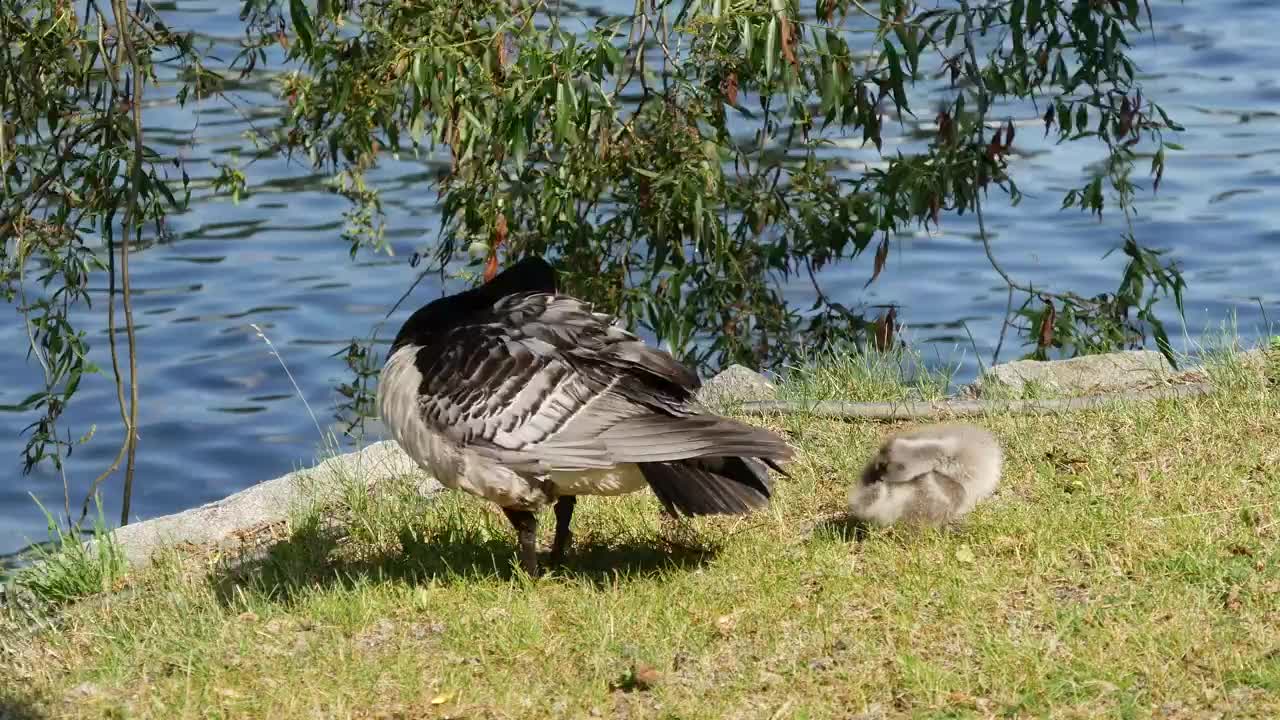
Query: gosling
[{"x": 932, "y": 475}]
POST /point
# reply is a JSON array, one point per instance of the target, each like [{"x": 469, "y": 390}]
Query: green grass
[
  {"x": 1126, "y": 568},
  {"x": 73, "y": 564}
]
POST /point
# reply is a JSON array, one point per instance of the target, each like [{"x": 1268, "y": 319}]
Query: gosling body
[{"x": 932, "y": 475}]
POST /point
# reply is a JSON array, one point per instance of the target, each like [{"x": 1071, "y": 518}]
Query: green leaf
[
  {"x": 896, "y": 79},
  {"x": 1131, "y": 10},
  {"x": 1033, "y": 15},
  {"x": 770, "y": 47},
  {"x": 563, "y": 112},
  {"x": 1016, "y": 29},
  {"x": 31, "y": 401},
  {"x": 302, "y": 24}
]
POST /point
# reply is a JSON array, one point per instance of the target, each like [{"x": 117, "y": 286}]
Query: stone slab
[
  {"x": 220, "y": 523},
  {"x": 736, "y": 383},
  {"x": 1085, "y": 375}
]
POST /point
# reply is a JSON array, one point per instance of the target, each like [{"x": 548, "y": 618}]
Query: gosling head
[{"x": 904, "y": 459}]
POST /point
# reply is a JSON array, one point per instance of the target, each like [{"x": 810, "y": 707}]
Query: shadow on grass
[
  {"x": 318, "y": 556},
  {"x": 841, "y": 526},
  {"x": 15, "y": 708}
]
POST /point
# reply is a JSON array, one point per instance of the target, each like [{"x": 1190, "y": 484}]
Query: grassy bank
[{"x": 1126, "y": 568}]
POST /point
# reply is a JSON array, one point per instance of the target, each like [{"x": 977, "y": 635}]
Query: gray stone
[
  {"x": 736, "y": 384},
  {"x": 222, "y": 523},
  {"x": 1086, "y": 375}
]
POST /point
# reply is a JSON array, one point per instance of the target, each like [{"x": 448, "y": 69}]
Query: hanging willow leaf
[
  {"x": 729, "y": 87},
  {"x": 1047, "y": 322},
  {"x": 885, "y": 328},
  {"x": 882, "y": 254},
  {"x": 302, "y": 24},
  {"x": 788, "y": 41}
]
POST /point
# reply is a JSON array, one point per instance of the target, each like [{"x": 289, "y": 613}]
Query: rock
[
  {"x": 736, "y": 384},
  {"x": 225, "y": 522},
  {"x": 1085, "y": 375}
]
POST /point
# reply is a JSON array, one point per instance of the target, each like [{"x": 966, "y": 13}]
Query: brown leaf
[
  {"x": 1008, "y": 135},
  {"x": 500, "y": 44},
  {"x": 1047, "y": 322},
  {"x": 935, "y": 210},
  {"x": 828, "y": 10},
  {"x": 603, "y": 142},
  {"x": 945, "y": 127},
  {"x": 788, "y": 39},
  {"x": 995, "y": 146},
  {"x": 500, "y": 231},
  {"x": 282, "y": 39},
  {"x": 646, "y": 676},
  {"x": 491, "y": 267},
  {"x": 640, "y": 676},
  {"x": 882, "y": 254},
  {"x": 885, "y": 328},
  {"x": 729, "y": 87}
]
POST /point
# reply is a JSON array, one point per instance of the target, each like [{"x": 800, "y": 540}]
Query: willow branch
[{"x": 124, "y": 28}]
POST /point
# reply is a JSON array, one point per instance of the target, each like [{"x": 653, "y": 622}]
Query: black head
[{"x": 532, "y": 274}]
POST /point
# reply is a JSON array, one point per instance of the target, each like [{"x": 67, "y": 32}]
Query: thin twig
[
  {"x": 917, "y": 410},
  {"x": 1004, "y": 327},
  {"x": 1209, "y": 512},
  {"x": 123, "y": 28}
]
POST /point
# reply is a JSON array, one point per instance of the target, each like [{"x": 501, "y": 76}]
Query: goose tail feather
[{"x": 709, "y": 485}]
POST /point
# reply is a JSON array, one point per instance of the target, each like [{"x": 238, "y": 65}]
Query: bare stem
[{"x": 124, "y": 28}]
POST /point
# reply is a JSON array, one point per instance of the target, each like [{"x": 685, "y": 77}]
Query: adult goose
[{"x": 515, "y": 393}]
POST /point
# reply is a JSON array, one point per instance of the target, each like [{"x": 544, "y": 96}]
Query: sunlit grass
[
  {"x": 72, "y": 564},
  {"x": 1125, "y": 568}
]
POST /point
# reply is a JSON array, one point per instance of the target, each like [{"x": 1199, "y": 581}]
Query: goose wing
[{"x": 543, "y": 382}]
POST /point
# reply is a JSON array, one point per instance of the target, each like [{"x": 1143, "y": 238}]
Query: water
[{"x": 218, "y": 414}]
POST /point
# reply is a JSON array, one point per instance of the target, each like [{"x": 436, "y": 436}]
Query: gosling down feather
[
  {"x": 515, "y": 393},
  {"x": 931, "y": 475}
]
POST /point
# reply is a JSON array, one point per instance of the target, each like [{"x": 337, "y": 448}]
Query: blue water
[{"x": 218, "y": 414}]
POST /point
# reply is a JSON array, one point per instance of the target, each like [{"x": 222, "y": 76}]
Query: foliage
[{"x": 675, "y": 159}]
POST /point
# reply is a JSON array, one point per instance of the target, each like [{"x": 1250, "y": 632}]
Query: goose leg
[
  {"x": 564, "y": 513},
  {"x": 526, "y": 525}
]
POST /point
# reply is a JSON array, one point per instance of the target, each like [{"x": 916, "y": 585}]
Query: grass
[
  {"x": 1126, "y": 568},
  {"x": 71, "y": 566}
]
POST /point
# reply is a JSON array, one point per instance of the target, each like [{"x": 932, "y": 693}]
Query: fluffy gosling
[{"x": 932, "y": 475}]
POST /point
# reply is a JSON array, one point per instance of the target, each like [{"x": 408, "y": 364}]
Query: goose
[
  {"x": 516, "y": 393},
  {"x": 931, "y": 475}
]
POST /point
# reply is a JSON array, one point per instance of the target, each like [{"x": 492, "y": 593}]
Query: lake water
[{"x": 218, "y": 414}]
